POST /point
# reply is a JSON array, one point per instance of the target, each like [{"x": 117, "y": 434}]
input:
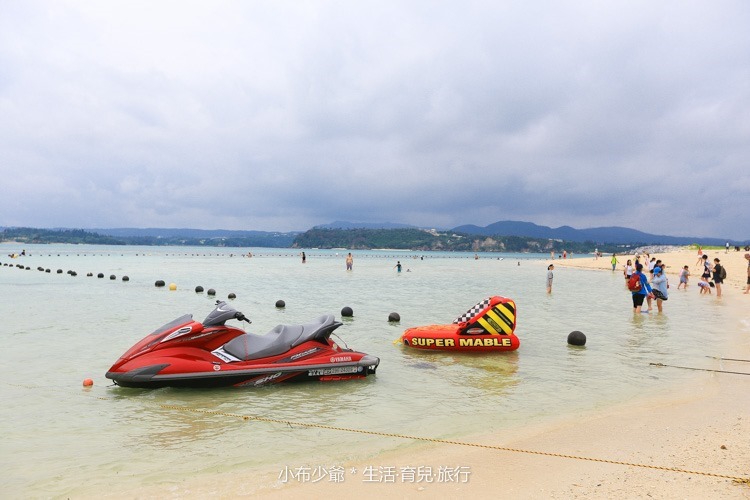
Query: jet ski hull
[{"x": 158, "y": 375}]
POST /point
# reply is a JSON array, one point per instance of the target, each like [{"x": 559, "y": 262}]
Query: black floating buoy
[
  {"x": 125, "y": 278},
  {"x": 89, "y": 274},
  {"x": 47, "y": 271},
  {"x": 394, "y": 317},
  {"x": 73, "y": 273},
  {"x": 576, "y": 338},
  {"x": 211, "y": 291},
  {"x": 112, "y": 277},
  {"x": 198, "y": 289},
  {"x": 59, "y": 271},
  {"x": 159, "y": 283},
  {"x": 231, "y": 296},
  {"x": 347, "y": 312},
  {"x": 100, "y": 275},
  {"x": 280, "y": 304}
]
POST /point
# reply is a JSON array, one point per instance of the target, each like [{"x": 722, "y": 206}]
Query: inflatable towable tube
[{"x": 488, "y": 326}]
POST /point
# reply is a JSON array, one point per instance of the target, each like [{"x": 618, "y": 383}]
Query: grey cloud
[{"x": 283, "y": 115}]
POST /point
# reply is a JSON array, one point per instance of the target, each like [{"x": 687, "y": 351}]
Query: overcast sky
[{"x": 276, "y": 115}]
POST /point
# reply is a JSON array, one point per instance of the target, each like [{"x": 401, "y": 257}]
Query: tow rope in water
[
  {"x": 728, "y": 359},
  {"x": 698, "y": 369},
  {"x": 291, "y": 423}
]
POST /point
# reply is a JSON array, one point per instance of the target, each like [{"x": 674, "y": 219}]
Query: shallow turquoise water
[{"x": 63, "y": 440}]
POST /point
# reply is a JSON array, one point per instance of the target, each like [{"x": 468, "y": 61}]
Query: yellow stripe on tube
[
  {"x": 487, "y": 326},
  {"x": 507, "y": 310},
  {"x": 498, "y": 322}
]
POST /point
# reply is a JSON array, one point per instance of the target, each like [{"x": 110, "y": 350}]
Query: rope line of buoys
[
  {"x": 346, "y": 312},
  {"x": 69, "y": 272}
]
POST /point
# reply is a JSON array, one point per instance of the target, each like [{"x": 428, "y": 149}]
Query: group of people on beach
[
  {"x": 657, "y": 287},
  {"x": 709, "y": 271},
  {"x": 645, "y": 289},
  {"x": 717, "y": 272}
]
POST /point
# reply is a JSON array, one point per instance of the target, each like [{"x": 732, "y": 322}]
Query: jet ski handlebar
[
  {"x": 241, "y": 317},
  {"x": 222, "y": 313}
]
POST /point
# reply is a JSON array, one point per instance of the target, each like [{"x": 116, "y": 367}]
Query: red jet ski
[{"x": 186, "y": 353}]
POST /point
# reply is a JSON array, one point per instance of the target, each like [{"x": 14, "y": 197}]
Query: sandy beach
[
  {"x": 700, "y": 431},
  {"x": 735, "y": 263}
]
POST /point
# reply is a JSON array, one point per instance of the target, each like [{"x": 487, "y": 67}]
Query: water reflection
[{"x": 495, "y": 373}]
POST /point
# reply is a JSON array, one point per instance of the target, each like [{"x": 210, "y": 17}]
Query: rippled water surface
[{"x": 62, "y": 440}]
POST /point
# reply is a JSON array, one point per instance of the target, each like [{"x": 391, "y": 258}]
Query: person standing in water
[
  {"x": 349, "y": 262},
  {"x": 304, "y": 257},
  {"x": 614, "y": 262},
  {"x": 643, "y": 292},
  {"x": 719, "y": 275},
  {"x": 628, "y": 270},
  {"x": 706, "y": 267},
  {"x": 684, "y": 277},
  {"x": 550, "y": 276},
  {"x": 659, "y": 286},
  {"x": 398, "y": 266}
]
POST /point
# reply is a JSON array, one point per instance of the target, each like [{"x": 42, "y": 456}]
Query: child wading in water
[
  {"x": 550, "y": 275},
  {"x": 684, "y": 276},
  {"x": 704, "y": 286}
]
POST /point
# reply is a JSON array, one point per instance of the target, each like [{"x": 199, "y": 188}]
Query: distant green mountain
[
  {"x": 599, "y": 235},
  {"x": 364, "y": 225},
  {"x": 150, "y": 237},
  {"x": 215, "y": 237},
  {"x": 44, "y": 236},
  {"x": 503, "y": 236},
  {"x": 426, "y": 240}
]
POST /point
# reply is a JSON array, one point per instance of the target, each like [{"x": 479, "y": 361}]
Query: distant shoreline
[{"x": 398, "y": 239}]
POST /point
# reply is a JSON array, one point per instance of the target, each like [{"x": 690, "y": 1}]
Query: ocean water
[{"x": 60, "y": 439}]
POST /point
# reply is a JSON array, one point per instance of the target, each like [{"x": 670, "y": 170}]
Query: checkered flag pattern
[{"x": 475, "y": 310}]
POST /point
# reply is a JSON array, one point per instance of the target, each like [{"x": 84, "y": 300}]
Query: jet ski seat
[{"x": 278, "y": 341}]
